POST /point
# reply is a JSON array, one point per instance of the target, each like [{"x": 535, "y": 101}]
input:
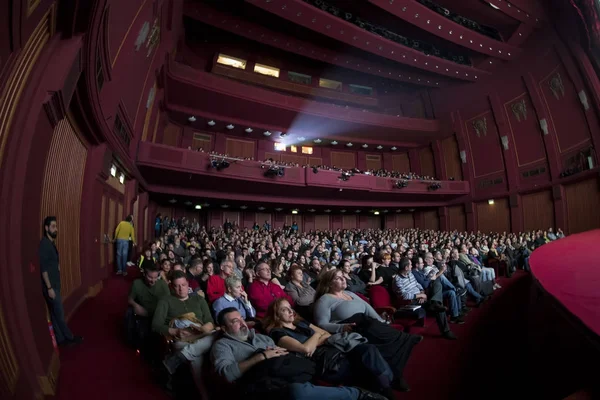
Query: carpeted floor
[{"x": 485, "y": 363}]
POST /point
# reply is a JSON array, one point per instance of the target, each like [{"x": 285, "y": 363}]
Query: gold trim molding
[{"x": 18, "y": 78}]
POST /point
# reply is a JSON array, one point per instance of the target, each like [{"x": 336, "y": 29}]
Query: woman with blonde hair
[
  {"x": 338, "y": 310},
  {"x": 359, "y": 360}
]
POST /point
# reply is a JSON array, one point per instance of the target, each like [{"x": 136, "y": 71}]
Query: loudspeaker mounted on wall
[
  {"x": 584, "y": 100},
  {"x": 544, "y": 125},
  {"x": 504, "y": 140},
  {"x": 463, "y": 156}
]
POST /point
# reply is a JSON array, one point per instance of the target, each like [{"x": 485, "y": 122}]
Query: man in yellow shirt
[{"x": 123, "y": 234}]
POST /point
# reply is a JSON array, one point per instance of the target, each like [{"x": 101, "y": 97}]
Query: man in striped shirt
[{"x": 406, "y": 287}]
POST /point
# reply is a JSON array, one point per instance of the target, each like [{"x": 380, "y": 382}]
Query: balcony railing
[{"x": 419, "y": 45}]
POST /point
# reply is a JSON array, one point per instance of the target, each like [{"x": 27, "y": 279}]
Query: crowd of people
[
  {"x": 382, "y": 172},
  {"x": 278, "y": 310}
]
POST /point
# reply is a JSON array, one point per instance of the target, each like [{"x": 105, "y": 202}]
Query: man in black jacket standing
[{"x": 50, "y": 269}]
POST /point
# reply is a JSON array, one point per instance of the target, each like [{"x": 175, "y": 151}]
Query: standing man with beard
[{"x": 50, "y": 269}]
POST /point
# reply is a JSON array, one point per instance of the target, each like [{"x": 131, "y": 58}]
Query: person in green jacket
[
  {"x": 148, "y": 290},
  {"x": 171, "y": 308}
]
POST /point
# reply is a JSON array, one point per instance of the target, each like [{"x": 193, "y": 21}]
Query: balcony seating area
[{"x": 419, "y": 45}]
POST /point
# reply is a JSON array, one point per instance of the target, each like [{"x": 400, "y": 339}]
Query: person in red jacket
[
  {"x": 215, "y": 287},
  {"x": 262, "y": 291}
]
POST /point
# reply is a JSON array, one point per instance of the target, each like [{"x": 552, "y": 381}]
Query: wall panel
[
  {"x": 525, "y": 131},
  {"x": 583, "y": 212},
  {"x": 427, "y": 161},
  {"x": 349, "y": 222},
  {"x": 430, "y": 220},
  {"x": 294, "y": 159},
  {"x": 343, "y": 159},
  {"x": 240, "y": 148},
  {"x": 401, "y": 162},
  {"x": 457, "y": 219},
  {"x": 172, "y": 135},
  {"x": 452, "y": 158},
  {"x": 61, "y": 197},
  {"x": 493, "y": 217},
  {"x": 373, "y": 161},
  {"x": 405, "y": 221},
  {"x": 538, "y": 210},
  {"x": 484, "y": 145},
  {"x": 322, "y": 222}
]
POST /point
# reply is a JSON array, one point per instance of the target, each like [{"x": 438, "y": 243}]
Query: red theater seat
[{"x": 382, "y": 303}]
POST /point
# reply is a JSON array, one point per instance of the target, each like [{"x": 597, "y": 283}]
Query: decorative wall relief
[
  {"x": 153, "y": 38},
  {"x": 480, "y": 126},
  {"x": 557, "y": 87},
  {"x": 519, "y": 109}
]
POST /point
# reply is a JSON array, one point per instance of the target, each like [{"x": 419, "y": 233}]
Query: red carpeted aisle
[{"x": 472, "y": 367}]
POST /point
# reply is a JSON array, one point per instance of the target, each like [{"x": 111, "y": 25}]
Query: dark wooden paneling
[
  {"x": 583, "y": 212},
  {"x": 430, "y": 220},
  {"x": 427, "y": 162},
  {"x": 373, "y": 161},
  {"x": 457, "y": 219},
  {"x": 493, "y": 217},
  {"x": 172, "y": 135},
  {"x": 401, "y": 162},
  {"x": 349, "y": 222},
  {"x": 342, "y": 159},
  {"x": 240, "y": 148},
  {"x": 538, "y": 210},
  {"x": 452, "y": 158},
  {"x": 61, "y": 197},
  {"x": 322, "y": 222},
  {"x": 405, "y": 221}
]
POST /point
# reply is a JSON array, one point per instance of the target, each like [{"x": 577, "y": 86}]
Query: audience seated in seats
[
  {"x": 426, "y": 278},
  {"x": 487, "y": 274},
  {"x": 251, "y": 360},
  {"x": 301, "y": 292},
  {"x": 353, "y": 282},
  {"x": 194, "y": 272},
  {"x": 208, "y": 270},
  {"x": 338, "y": 310},
  {"x": 457, "y": 272},
  {"x": 188, "y": 321},
  {"x": 407, "y": 288},
  {"x": 165, "y": 267},
  {"x": 341, "y": 358},
  {"x": 262, "y": 291},
  {"x": 278, "y": 272},
  {"x": 143, "y": 300},
  {"x": 235, "y": 297},
  {"x": 215, "y": 286}
]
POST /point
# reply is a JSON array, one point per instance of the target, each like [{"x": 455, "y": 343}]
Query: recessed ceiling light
[
  {"x": 365, "y": 146},
  {"x": 311, "y": 210},
  {"x": 198, "y": 207},
  {"x": 230, "y": 127},
  {"x": 342, "y": 211},
  {"x": 211, "y": 123},
  {"x": 334, "y": 142},
  {"x": 328, "y": 210},
  {"x": 278, "y": 209},
  {"x": 243, "y": 207},
  {"x": 261, "y": 208},
  {"x": 302, "y": 138},
  {"x": 267, "y": 133},
  {"x": 376, "y": 213},
  {"x": 349, "y": 144},
  {"x": 172, "y": 201},
  {"x": 192, "y": 119},
  {"x": 224, "y": 205},
  {"x": 317, "y": 141},
  {"x": 248, "y": 130},
  {"x": 379, "y": 147},
  {"x": 394, "y": 148},
  {"x": 294, "y": 211}
]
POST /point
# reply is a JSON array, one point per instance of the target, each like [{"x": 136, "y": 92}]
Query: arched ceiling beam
[
  {"x": 301, "y": 13},
  {"x": 250, "y": 30},
  {"x": 438, "y": 25}
]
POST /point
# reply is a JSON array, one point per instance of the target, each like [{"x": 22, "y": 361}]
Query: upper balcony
[
  {"x": 193, "y": 92},
  {"x": 186, "y": 172}
]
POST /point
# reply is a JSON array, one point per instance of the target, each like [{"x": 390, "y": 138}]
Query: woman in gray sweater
[{"x": 337, "y": 310}]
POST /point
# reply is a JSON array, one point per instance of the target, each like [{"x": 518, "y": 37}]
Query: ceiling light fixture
[
  {"x": 294, "y": 212},
  {"x": 267, "y": 133},
  {"x": 349, "y": 144},
  {"x": 376, "y": 213},
  {"x": 243, "y": 207},
  {"x": 113, "y": 170},
  {"x": 188, "y": 203},
  {"x": 192, "y": 119},
  {"x": 491, "y": 202},
  {"x": 279, "y": 209},
  {"x": 379, "y": 147},
  {"x": 172, "y": 201},
  {"x": 364, "y": 146},
  {"x": 211, "y": 123},
  {"x": 230, "y": 127},
  {"x": 122, "y": 178},
  {"x": 317, "y": 141},
  {"x": 261, "y": 208},
  {"x": 394, "y": 148},
  {"x": 334, "y": 142},
  {"x": 198, "y": 207},
  {"x": 248, "y": 130}
]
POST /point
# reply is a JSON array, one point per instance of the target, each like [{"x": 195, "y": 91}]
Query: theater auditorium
[{"x": 299, "y": 199}]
